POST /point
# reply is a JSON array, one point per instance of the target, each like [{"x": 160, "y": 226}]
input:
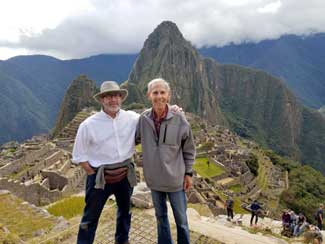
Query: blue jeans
[
  {"x": 178, "y": 203},
  {"x": 95, "y": 201}
]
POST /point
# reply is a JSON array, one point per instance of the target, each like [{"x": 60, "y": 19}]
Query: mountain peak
[
  {"x": 167, "y": 28},
  {"x": 166, "y": 32},
  {"x": 168, "y": 55}
]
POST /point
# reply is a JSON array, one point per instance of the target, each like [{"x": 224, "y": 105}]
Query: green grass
[
  {"x": 237, "y": 203},
  {"x": 68, "y": 207},
  {"x": 207, "y": 170},
  {"x": 235, "y": 188},
  {"x": 263, "y": 170},
  {"x": 20, "y": 220}
]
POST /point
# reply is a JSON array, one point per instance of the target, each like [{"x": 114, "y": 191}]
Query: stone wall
[
  {"x": 27, "y": 158},
  {"x": 246, "y": 178},
  {"x": 33, "y": 193},
  {"x": 53, "y": 158},
  {"x": 75, "y": 181},
  {"x": 56, "y": 181}
]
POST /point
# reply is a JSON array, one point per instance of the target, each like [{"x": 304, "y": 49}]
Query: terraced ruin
[{"x": 40, "y": 172}]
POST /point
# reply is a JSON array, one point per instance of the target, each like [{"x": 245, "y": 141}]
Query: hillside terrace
[{"x": 44, "y": 165}]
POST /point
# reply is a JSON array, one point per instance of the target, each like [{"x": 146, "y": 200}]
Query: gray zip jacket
[{"x": 168, "y": 157}]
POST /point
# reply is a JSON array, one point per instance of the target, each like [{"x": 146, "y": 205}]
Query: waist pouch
[{"x": 115, "y": 175}]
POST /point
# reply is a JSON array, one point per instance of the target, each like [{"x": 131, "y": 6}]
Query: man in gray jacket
[{"x": 168, "y": 155}]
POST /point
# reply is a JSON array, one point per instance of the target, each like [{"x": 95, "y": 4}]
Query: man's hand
[
  {"x": 174, "y": 108},
  {"x": 86, "y": 166},
  {"x": 187, "y": 182}
]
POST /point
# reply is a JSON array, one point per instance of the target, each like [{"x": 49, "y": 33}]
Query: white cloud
[
  {"x": 78, "y": 28},
  {"x": 271, "y": 7}
]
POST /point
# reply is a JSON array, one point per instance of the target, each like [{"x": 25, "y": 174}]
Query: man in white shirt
[{"x": 104, "y": 147}]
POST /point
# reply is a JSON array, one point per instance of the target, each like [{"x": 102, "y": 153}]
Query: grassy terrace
[
  {"x": 237, "y": 203},
  {"x": 207, "y": 170},
  {"x": 69, "y": 207},
  {"x": 20, "y": 220},
  {"x": 235, "y": 188}
]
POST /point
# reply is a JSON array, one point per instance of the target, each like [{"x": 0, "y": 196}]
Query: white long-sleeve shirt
[{"x": 103, "y": 140}]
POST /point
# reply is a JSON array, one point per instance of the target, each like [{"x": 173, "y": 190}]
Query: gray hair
[{"x": 156, "y": 81}]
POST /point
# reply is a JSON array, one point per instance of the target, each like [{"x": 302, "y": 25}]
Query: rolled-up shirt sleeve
[{"x": 81, "y": 145}]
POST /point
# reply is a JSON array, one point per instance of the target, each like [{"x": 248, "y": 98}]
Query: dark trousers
[
  {"x": 95, "y": 201},
  {"x": 230, "y": 213},
  {"x": 319, "y": 224},
  {"x": 254, "y": 214}
]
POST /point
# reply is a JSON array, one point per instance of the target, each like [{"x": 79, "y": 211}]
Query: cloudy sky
[{"x": 80, "y": 28}]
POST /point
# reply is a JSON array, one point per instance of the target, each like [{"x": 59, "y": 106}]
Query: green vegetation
[
  {"x": 235, "y": 188},
  {"x": 207, "y": 169},
  {"x": 252, "y": 164},
  {"x": 68, "y": 207},
  {"x": 237, "y": 203},
  {"x": 8, "y": 238},
  {"x": 306, "y": 191},
  {"x": 263, "y": 170},
  {"x": 284, "y": 162},
  {"x": 20, "y": 220}
]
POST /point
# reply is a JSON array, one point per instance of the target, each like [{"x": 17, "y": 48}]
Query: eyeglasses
[{"x": 111, "y": 95}]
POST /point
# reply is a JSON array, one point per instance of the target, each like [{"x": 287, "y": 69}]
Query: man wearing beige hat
[{"x": 104, "y": 147}]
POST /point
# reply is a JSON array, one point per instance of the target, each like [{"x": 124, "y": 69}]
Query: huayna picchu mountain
[
  {"x": 253, "y": 103},
  {"x": 167, "y": 54}
]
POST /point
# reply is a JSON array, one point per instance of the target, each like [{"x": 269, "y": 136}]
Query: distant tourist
[
  {"x": 300, "y": 225},
  {"x": 255, "y": 210},
  {"x": 229, "y": 205},
  {"x": 286, "y": 221},
  {"x": 168, "y": 155},
  {"x": 104, "y": 147},
  {"x": 319, "y": 216},
  {"x": 293, "y": 220},
  {"x": 286, "y": 218}
]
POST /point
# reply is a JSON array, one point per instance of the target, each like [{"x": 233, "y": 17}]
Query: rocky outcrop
[
  {"x": 168, "y": 55},
  {"x": 253, "y": 103},
  {"x": 78, "y": 96}
]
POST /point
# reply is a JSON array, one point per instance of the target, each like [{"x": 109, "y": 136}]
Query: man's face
[
  {"x": 111, "y": 102},
  {"x": 159, "y": 96}
]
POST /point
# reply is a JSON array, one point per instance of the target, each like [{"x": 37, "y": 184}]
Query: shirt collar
[
  {"x": 105, "y": 115},
  {"x": 168, "y": 115}
]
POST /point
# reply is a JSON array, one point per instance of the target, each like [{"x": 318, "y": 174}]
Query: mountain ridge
[
  {"x": 255, "y": 104},
  {"x": 46, "y": 79},
  {"x": 298, "y": 60}
]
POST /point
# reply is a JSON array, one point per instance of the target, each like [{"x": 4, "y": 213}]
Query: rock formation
[
  {"x": 253, "y": 103},
  {"x": 78, "y": 96}
]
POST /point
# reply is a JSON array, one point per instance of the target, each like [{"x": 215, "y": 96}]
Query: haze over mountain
[
  {"x": 298, "y": 60},
  {"x": 254, "y": 104}
]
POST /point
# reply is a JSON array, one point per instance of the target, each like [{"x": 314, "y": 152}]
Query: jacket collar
[{"x": 169, "y": 115}]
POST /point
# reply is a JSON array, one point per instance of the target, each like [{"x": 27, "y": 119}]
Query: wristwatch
[{"x": 189, "y": 173}]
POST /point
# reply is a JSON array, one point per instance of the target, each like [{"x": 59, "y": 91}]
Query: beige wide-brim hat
[{"x": 110, "y": 87}]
